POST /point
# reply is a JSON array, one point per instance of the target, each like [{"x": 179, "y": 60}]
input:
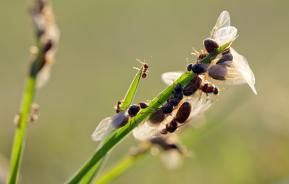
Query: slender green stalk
[
  {"x": 20, "y": 132},
  {"x": 92, "y": 173},
  {"x": 120, "y": 167},
  {"x": 118, "y": 135},
  {"x": 46, "y": 40}
]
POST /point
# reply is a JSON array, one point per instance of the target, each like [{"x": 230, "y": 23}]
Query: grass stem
[{"x": 20, "y": 132}]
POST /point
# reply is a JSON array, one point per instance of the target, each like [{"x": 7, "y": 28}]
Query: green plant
[
  {"x": 119, "y": 134},
  {"x": 42, "y": 58}
]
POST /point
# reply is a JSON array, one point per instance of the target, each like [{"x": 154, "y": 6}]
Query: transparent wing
[
  {"x": 222, "y": 21},
  {"x": 200, "y": 103},
  {"x": 148, "y": 130},
  {"x": 145, "y": 131},
  {"x": 170, "y": 77},
  {"x": 239, "y": 72},
  {"x": 103, "y": 129},
  {"x": 225, "y": 35}
]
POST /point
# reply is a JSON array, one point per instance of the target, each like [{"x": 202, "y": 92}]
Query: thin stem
[
  {"x": 118, "y": 135},
  {"x": 92, "y": 173},
  {"x": 120, "y": 167},
  {"x": 20, "y": 132}
]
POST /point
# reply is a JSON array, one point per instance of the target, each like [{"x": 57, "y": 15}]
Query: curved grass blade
[{"x": 130, "y": 94}]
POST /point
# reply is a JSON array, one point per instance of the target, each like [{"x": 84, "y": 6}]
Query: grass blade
[{"x": 130, "y": 94}]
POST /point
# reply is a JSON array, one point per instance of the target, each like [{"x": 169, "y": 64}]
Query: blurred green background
[{"x": 100, "y": 40}]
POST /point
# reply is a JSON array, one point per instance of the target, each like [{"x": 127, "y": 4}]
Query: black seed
[
  {"x": 167, "y": 108},
  {"x": 178, "y": 96},
  {"x": 199, "y": 68},
  {"x": 183, "y": 112},
  {"x": 157, "y": 117},
  {"x": 226, "y": 59},
  {"x": 173, "y": 101},
  {"x": 210, "y": 45},
  {"x": 143, "y": 105},
  {"x": 192, "y": 86},
  {"x": 178, "y": 88},
  {"x": 218, "y": 72},
  {"x": 189, "y": 67},
  {"x": 133, "y": 110}
]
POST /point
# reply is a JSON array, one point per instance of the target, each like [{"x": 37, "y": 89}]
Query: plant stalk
[{"x": 20, "y": 132}]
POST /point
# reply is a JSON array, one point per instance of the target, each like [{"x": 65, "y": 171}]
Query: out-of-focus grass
[{"x": 100, "y": 37}]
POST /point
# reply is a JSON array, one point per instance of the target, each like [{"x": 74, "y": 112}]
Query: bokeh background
[{"x": 245, "y": 138}]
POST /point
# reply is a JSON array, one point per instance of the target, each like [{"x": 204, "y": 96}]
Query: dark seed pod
[
  {"x": 226, "y": 59},
  {"x": 167, "y": 108},
  {"x": 192, "y": 86},
  {"x": 173, "y": 101},
  {"x": 183, "y": 112},
  {"x": 178, "y": 88},
  {"x": 210, "y": 45},
  {"x": 143, "y": 105},
  {"x": 189, "y": 67},
  {"x": 133, "y": 110},
  {"x": 218, "y": 72},
  {"x": 178, "y": 96},
  {"x": 199, "y": 68},
  {"x": 157, "y": 117}
]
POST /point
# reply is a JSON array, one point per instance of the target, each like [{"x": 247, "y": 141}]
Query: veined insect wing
[
  {"x": 240, "y": 72},
  {"x": 145, "y": 131},
  {"x": 225, "y": 35},
  {"x": 222, "y": 21},
  {"x": 108, "y": 125},
  {"x": 102, "y": 129}
]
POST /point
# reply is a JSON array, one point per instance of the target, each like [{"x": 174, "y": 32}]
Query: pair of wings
[{"x": 239, "y": 72}]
